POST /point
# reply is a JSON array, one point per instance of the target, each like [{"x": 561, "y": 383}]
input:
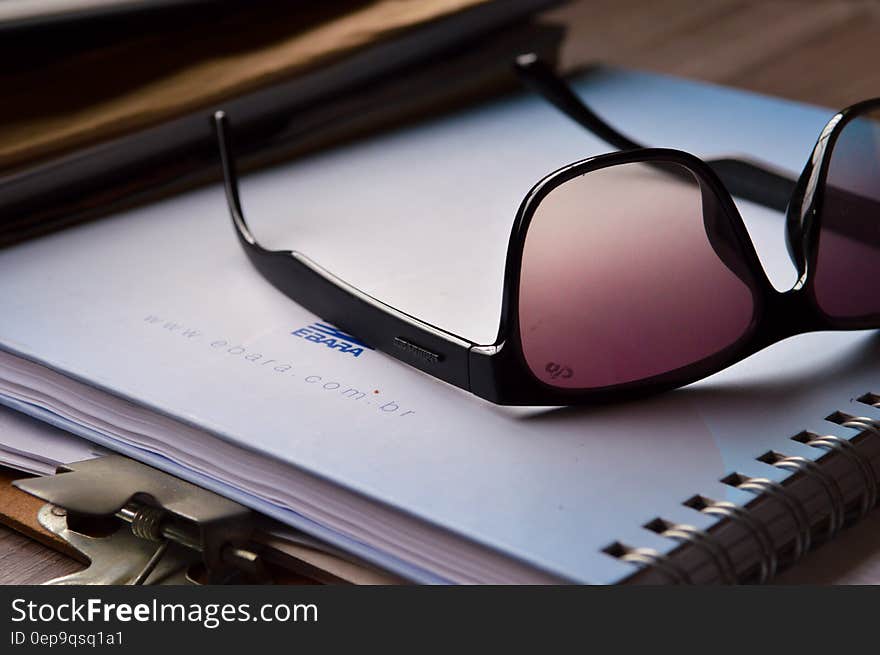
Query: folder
[{"x": 85, "y": 133}]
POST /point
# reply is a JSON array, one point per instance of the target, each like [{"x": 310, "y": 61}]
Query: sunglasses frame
[
  {"x": 499, "y": 372},
  {"x": 804, "y": 214}
]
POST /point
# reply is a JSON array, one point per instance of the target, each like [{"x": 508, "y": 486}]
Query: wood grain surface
[
  {"x": 820, "y": 52},
  {"x": 24, "y": 561},
  {"x": 824, "y": 53}
]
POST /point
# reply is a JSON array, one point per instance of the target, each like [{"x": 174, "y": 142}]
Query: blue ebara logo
[{"x": 332, "y": 338}]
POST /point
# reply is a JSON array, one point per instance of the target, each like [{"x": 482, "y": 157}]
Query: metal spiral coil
[
  {"x": 763, "y": 487},
  {"x": 836, "y": 499},
  {"x": 862, "y": 423},
  {"x": 845, "y": 448},
  {"x": 771, "y": 489},
  {"x": 769, "y": 562},
  {"x": 651, "y": 558},
  {"x": 867, "y": 426},
  {"x": 705, "y": 542}
]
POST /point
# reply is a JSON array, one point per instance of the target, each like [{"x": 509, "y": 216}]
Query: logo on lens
[{"x": 558, "y": 370}]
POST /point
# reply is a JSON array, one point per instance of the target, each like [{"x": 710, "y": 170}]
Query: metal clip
[{"x": 167, "y": 524}]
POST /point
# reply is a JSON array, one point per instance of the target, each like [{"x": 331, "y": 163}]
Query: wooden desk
[
  {"x": 819, "y": 52},
  {"x": 23, "y": 561},
  {"x": 823, "y": 53}
]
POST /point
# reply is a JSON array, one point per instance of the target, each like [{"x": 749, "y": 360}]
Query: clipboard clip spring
[{"x": 115, "y": 510}]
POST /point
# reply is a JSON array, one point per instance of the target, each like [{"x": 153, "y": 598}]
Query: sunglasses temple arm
[
  {"x": 539, "y": 77},
  {"x": 230, "y": 180},
  {"x": 743, "y": 179},
  {"x": 754, "y": 182}
]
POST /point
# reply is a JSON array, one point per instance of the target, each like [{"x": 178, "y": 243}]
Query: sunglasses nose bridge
[{"x": 788, "y": 313}]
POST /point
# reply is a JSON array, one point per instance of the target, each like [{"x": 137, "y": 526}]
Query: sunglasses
[{"x": 632, "y": 272}]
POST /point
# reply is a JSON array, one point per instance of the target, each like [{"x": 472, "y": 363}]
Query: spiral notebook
[{"x": 148, "y": 333}]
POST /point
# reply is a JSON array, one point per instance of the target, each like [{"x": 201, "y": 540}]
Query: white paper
[{"x": 35, "y": 447}]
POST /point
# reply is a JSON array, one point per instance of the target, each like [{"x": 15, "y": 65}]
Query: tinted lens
[
  {"x": 848, "y": 261},
  {"x": 620, "y": 281}
]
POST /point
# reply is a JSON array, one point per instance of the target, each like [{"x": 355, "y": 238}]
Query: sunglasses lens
[
  {"x": 620, "y": 281},
  {"x": 848, "y": 257}
]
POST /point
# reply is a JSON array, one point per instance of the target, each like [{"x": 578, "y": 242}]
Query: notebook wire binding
[{"x": 771, "y": 557}]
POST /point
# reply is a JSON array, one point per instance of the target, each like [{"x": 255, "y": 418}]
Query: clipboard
[{"x": 129, "y": 523}]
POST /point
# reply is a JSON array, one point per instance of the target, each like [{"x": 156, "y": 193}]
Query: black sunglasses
[{"x": 632, "y": 272}]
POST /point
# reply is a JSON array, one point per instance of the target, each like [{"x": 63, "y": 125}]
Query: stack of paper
[{"x": 34, "y": 447}]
